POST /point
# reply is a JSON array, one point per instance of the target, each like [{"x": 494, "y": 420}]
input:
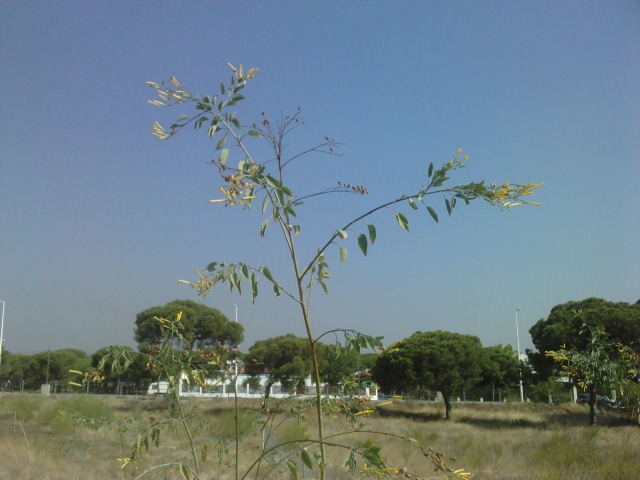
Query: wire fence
[{"x": 575, "y": 475}]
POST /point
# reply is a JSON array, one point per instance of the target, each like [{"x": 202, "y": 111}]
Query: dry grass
[{"x": 41, "y": 439}]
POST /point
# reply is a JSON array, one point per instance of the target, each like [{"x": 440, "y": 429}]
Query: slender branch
[
  {"x": 403, "y": 198},
  {"x": 328, "y": 191},
  {"x": 314, "y": 149}
]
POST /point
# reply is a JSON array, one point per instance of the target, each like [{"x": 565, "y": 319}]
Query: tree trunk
[
  {"x": 267, "y": 389},
  {"x": 593, "y": 400},
  {"x": 447, "y": 407}
]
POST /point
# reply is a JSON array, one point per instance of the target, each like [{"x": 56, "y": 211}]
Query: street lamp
[
  {"x": 1, "y": 334},
  {"x": 236, "y": 361},
  {"x": 519, "y": 359}
]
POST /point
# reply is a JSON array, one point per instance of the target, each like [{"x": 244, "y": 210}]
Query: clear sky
[{"x": 98, "y": 219}]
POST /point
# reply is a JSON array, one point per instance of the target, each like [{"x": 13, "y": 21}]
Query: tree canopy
[
  {"x": 31, "y": 371},
  {"x": 203, "y": 326},
  {"x": 562, "y": 327},
  {"x": 501, "y": 368},
  {"x": 600, "y": 367},
  {"x": 285, "y": 359},
  {"x": 136, "y": 371},
  {"x": 442, "y": 361}
]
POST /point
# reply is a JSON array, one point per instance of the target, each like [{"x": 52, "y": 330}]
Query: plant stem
[{"x": 185, "y": 424}]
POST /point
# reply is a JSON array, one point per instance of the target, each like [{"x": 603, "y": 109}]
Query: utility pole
[
  {"x": 519, "y": 359},
  {"x": 1, "y": 336},
  {"x": 236, "y": 360}
]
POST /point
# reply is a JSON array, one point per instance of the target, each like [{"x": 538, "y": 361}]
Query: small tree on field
[
  {"x": 204, "y": 327},
  {"x": 501, "y": 368},
  {"x": 248, "y": 181},
  {"x": 285, "y": 359},
  {"x": 443, "y": 361},
  {"x": 597, "y": 368},
  {"x": 563, "y": 327}
]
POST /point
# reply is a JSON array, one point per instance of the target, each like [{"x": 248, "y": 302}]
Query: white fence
[{"x": 249, "y": 387}]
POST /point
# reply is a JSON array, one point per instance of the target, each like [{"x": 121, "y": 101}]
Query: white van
[{"x": 158, "y": 388}]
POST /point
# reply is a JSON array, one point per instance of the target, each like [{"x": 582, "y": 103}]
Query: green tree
[
  {"x": 562, "y": 327},
  {"x": 16, "y": 370},
  {"x": 285, "y": 359},
  {"x": 501, "y": 369},
  {"x": 115, "y": 381},
  {"x": 203, "y": 326},
  {"x": 443, "y": 361},
  {"x": 596, "y": 367},
  {"x": 61, "y": 362},
  {"x": 247, "y": 180},
  {"x": 338, "y": 363},
  {"x": 31, "y": 371}
]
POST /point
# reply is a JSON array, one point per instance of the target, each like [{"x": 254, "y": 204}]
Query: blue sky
[{"x": 98, "y": 220}]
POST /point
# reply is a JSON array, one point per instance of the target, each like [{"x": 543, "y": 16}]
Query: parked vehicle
[{"x": 601, "y": 400}]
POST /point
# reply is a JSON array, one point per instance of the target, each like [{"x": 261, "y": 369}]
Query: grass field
[{"x": 81, "y": 437}]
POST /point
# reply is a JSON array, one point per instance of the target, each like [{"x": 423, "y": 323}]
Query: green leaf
[
  {"x": 293, "y": 469},
  {"x": 279, "y": 197},
  {"x": 265, "y": 204},
  {"x": 224, "y": 154},
  {"x": 223, "y": 90},
  {"x": 204, "y": 452},
  {"x": 245, "y": 271},
  {"x": 362, "y": 243},
  {"x": 372, "y": 233},
  {"x": 236, "y": 281},
  {"x": 433, "y": 214},
  {"x": 221, "y": 143},
  {"x": 253, "y": 133},
  {"x": 413, "y": 203},
  {"x": 351, "y": 462},
  {"x": 184, "y": 471},
  {"x": 413, "y": 441},
  {"x": 263, "y": 228},
  {"x": 430, "y": 169},
  {"x": 290, "y": 211},
  {"x": 272, "y": 182},
  {"x": 254, "y": 287},
  {"x": 402, "y": 221},
  {"x": 343, "y": 255},
  {"x": 212, "y": 130},
  {"x": 448, "y": 205},
  {"x": 267, "y": 274},
  {"x": 306, "y": 459}
]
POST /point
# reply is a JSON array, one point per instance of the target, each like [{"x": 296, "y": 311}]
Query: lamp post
[
  {"x": 1, "y": 335},
  {"x": 236, "y": 361},
  {"x": 519, "y": 359}
]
